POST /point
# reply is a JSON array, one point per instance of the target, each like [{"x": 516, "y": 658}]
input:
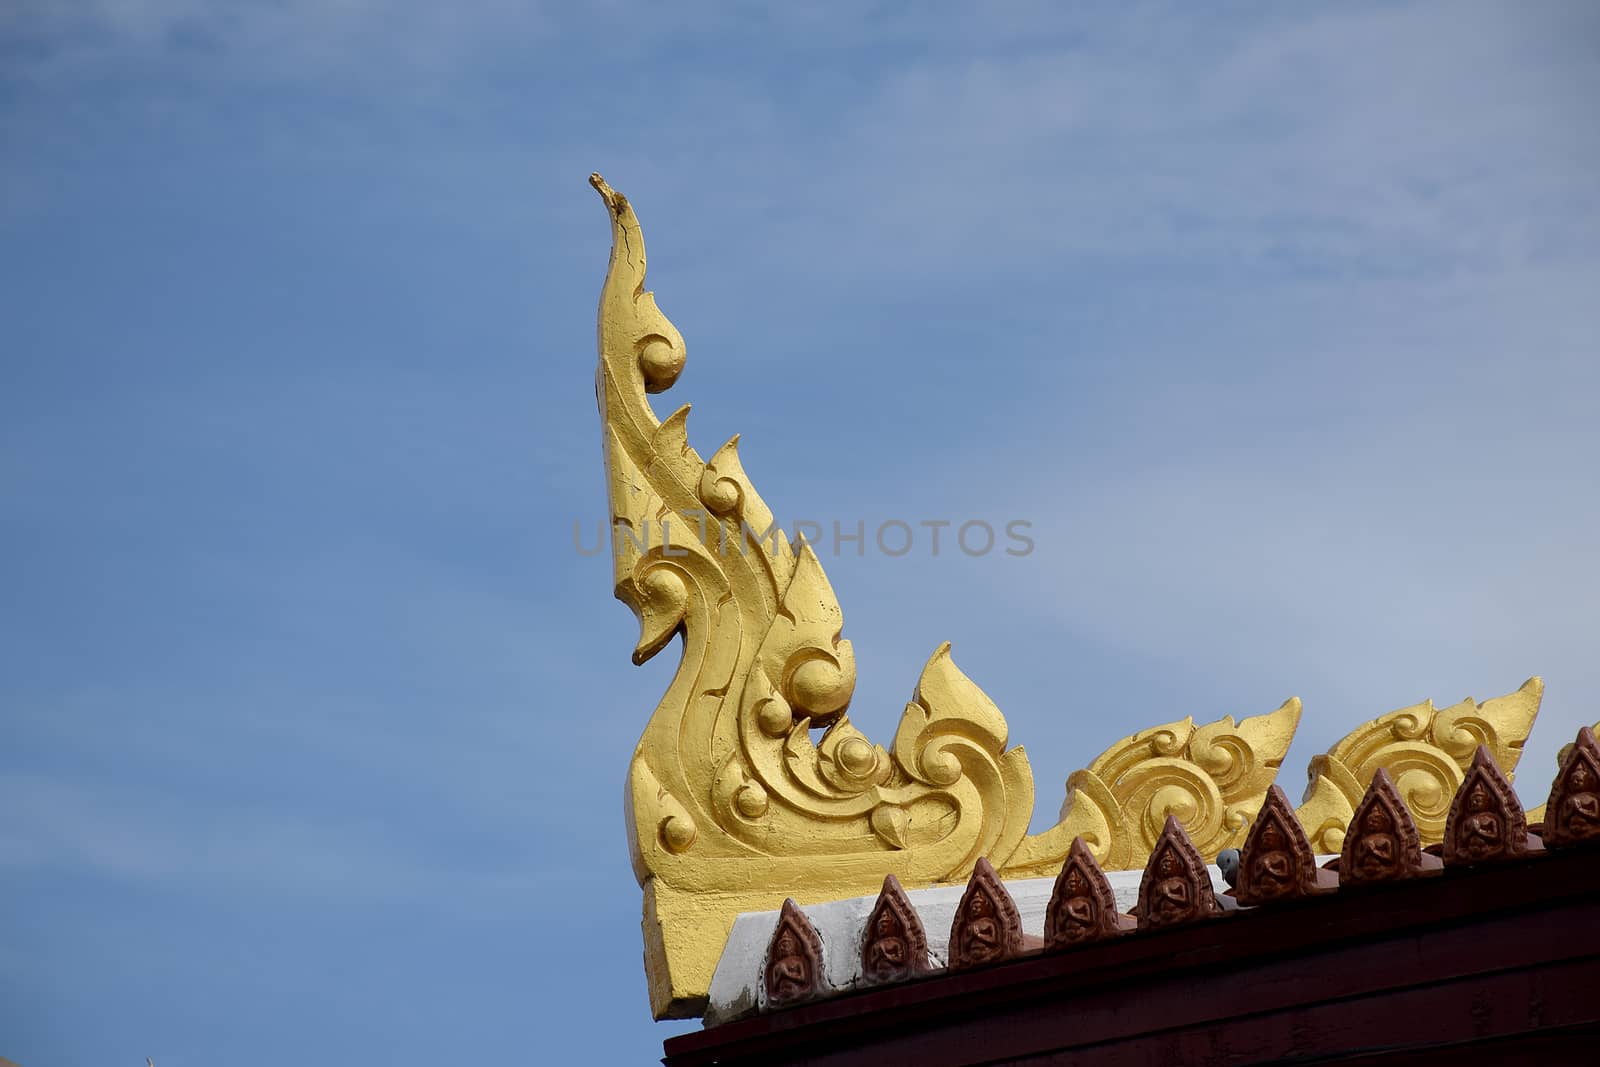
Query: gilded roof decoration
[
  {"x": 733, "y": 805},
  {"x": 994, "y": 922}
]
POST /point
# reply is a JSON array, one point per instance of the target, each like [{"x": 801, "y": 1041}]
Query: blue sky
[{"x": 1279, "y": 324}]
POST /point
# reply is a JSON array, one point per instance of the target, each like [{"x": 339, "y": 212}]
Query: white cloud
[
  {"x": 1363, "y": 140},
  {"x": 295, "y": 41}
]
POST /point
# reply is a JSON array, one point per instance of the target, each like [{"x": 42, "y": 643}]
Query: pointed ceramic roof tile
[
  {"x": 1572, "y": 816},
  {"x": 1176, "y": 887},
  {"x": 1082, "y": 906},
  {"x": 893, "y": 945},
  {"x": 1486, "y": 821},
  {"x": 1382, "y": 843},
  {"x": 792, "y": 971},
  {"x": 1276, "y": 862},
  {"x": 987, "y": 928}
]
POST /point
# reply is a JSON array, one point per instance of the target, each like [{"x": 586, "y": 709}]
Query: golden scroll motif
[
  {"x": 1212, "y": 777},
  {"x": 1427, "y": 752},
  {"x": 736, "y": 802}
]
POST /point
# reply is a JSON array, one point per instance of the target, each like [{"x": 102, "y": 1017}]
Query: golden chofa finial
[{"x": 732, "y": 806}]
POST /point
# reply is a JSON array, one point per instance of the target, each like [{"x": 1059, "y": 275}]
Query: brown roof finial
[
  {"x": 792, "y": 972},
  {"x": 893, "y": 945},
  {"x": 1176, "y": 887},
  {"x": 1486, "y": 821},
  {"x": 1572, "y": 816},
  {"x": 1276, "y": 862},
  {"x": 1382, "y": 843},
  {"x": 1082, "y": 905},
  {"x": 987, "y": 928}
]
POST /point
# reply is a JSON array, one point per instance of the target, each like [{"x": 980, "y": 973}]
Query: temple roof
[
  {"x": 1485, "y": 936},
  {"x": 1503, "y": 955},
  {"x": 736, "y": 987}
]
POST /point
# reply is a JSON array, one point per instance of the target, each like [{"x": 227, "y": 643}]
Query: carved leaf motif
[
  {"x": 792, "y": 972},
  {"x": 812, "y": 666},
  {"x": 1486, "y": 819},
  {"x": 1572, "y": 815},
  {"x": 1243, "y": 760},
  {"x": 1537, "y": 815},
  {"x": 893, "y": 944},
  {"x": 1501, "y": 725},
  {"x": 892, "y": 823},
  {"x": 1082, "y": 907},
  {"x": 987, "y": 927},
  {"x": 1276, "y": 862},
  {"x": 946, "y": 704},
  {"x": 952, "y": 738},
  {"x": 1176, "y": 887},
  {"x": 1382, "y": 844}
]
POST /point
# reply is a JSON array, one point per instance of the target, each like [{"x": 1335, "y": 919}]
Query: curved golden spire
[{"x": 728, "y": 790}]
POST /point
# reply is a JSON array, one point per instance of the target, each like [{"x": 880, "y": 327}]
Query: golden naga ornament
[{"x": 733, "y": 807}]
